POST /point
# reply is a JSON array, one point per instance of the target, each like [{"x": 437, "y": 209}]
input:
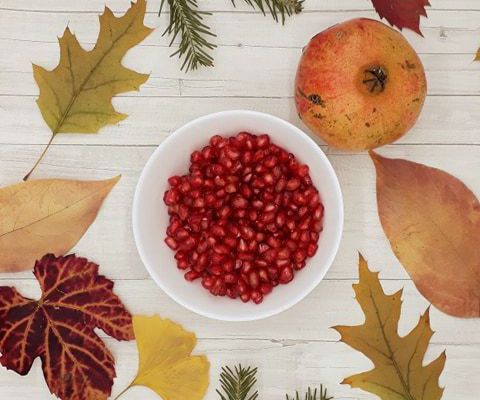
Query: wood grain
[{"x": 255, "y": 64}]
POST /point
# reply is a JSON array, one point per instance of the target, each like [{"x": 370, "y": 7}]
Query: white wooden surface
[{"x": 255, "y": 66}]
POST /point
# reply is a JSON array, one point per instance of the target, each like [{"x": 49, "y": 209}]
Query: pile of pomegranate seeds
[{"x": 245, "y": 218}]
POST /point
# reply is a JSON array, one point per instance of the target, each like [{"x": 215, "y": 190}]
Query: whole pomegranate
[{"x": 359, "y": 85}]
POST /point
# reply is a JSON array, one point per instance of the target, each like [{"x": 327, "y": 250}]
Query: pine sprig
[
  {"x": 236, "y": 384},
  {"x": 186, "y": 20},
  {"x": 283, "y": 8},
  {"x": 320, "y": 394}
]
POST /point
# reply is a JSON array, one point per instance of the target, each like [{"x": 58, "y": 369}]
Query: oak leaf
[
  {"x": 76, "y": 96},
  {"x": 59, "y": 328},
  {"x": 41, "y": 216},
  {"x": 402, "y": 13},
  {"x": 432, "y": 221},
  {"x": 399, "y": 372},
  {"x": 166, "y": 365}
]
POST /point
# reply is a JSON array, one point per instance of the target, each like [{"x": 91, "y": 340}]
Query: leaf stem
[
  {"x": 25, "y": 178},
  {"x": 123, "y": 392}
]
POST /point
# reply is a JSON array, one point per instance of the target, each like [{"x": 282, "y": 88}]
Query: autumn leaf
[
  {"x": 41, "y": 216},
  {"x": 402, "y": 13},
  {"x": 399, "y": 372},
  {"x": 432, "y": 221},
  {"x": 165, "y": 362},
  {"x": 76, "y": 96},
  {"x": 477, "y": 56},
  {"x": 59, "y": 328}
]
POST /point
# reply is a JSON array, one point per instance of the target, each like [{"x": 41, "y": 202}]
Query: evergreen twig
[
  {"x": 320, "y": 394},
  {"x": 275, "y": 7},
  {"x": 186, "y": 20},
  {"x": 236, "y": 384}
]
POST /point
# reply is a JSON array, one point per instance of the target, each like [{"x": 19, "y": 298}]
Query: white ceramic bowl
[{"x": 150, "y": 218}]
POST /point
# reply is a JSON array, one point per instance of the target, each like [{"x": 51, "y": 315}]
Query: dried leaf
[
  {"x": 165, "y": 363},
  {"x": 59, "y": 328},
  {"x": 43, "y": 216},
  {"x": 402, "y": 13},
  {"x": 398, "y": 372},
  {"x": 76, "y": 96},
  {"x": 477, "y": 56},
  {"x": 432, "y": 221}
]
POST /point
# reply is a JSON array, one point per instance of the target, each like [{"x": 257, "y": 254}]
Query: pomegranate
[
  {"x": 359, "y": 85},
  {"x": 244, "y": 218}
]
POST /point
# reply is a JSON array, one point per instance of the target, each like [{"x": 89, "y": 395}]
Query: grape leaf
[
  {"x": 165, "y": 362},
  {"x": 59, "y": 328},
  {"x": 402, "y": 13},
  {"x": 398, "y": 373},
  {"x": 49, "y": 215},
  {"x": 432, "y": 221},
  {"x": 76, "y": 96}
]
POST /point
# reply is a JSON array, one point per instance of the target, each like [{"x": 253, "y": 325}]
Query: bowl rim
[{"x": 259, "y": 314}]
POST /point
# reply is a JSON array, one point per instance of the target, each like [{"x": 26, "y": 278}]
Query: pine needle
[
  {"x": 320, "y": 394},
  {"x": 186, "y": 20},
  {"x": 236, "y": 385},
  {"x": 275, "y": 7}
]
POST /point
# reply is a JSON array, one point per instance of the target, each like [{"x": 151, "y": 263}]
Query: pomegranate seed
[
  {"x": 283, "y": 254},
  {"x": 192, "y": 275},
  {"x": 266, "y": 288},
  {"x": 286, "y": 275},
  {"x": 215, "y": 270},
  {"x": 172, "y": 243},
  {"x": 293, "y": 184},
  {"x": 221, "y": 249},
  {"x": 183, "y": 264},
  {"x": 257, "y": 297},
  {"x": 253, "y": 279},
  {"x": 245, "y": 297},
  {"x": 207, "y": 281},
  {"x": 263, "y": 141},
  {"x": 312, "y": 249}
]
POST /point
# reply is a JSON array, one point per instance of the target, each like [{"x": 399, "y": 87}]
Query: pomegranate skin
[{"x": 359, "y": 85}]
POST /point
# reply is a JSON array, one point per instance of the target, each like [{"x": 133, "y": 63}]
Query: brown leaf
[
  {"x": 402, "y": 13},
  {"x": 41, "y": 216},
  {"x": 399, "y": 372},
  {"x": 59, "y": 328},
  {"x": 432, "y": 221}
]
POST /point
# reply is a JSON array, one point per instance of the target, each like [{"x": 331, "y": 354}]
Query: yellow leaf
[
  {"x": 432, "y": 221},
  {"x": 165, "y": 363},
  {"x": 477, "y": 57},
  {"x": 76, "y": 96},
  {"x": 399, "y": 372},
  {"x": 46, "y": 216}
]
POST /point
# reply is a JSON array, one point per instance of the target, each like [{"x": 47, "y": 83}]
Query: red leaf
[
  {"x": 402, "y": 13},
  {"x": 59, "y": 328}
]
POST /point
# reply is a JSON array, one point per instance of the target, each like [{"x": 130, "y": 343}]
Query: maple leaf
[
  {"x": 398, "y": 373},
  {"x": 402, "y": 13},
  {"x": 165, "y": 362},
  {"x": 76, "y": 96},
  {"x": 432, "y": 221},
  {"x": 59, "y": 328},
  {"x": 49, "y": 215}
]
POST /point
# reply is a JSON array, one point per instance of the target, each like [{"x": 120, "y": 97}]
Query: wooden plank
[
  {"x": 444, "y": 31},
  {"x": 331, "y": 303},
  {"x": 282, "y": 367},
  {"x": 445, "y": 119},
  {"x": 110, "y": 243},
  {"x": 66, "y": 6},
  {"x": 271, "y": 75}
]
